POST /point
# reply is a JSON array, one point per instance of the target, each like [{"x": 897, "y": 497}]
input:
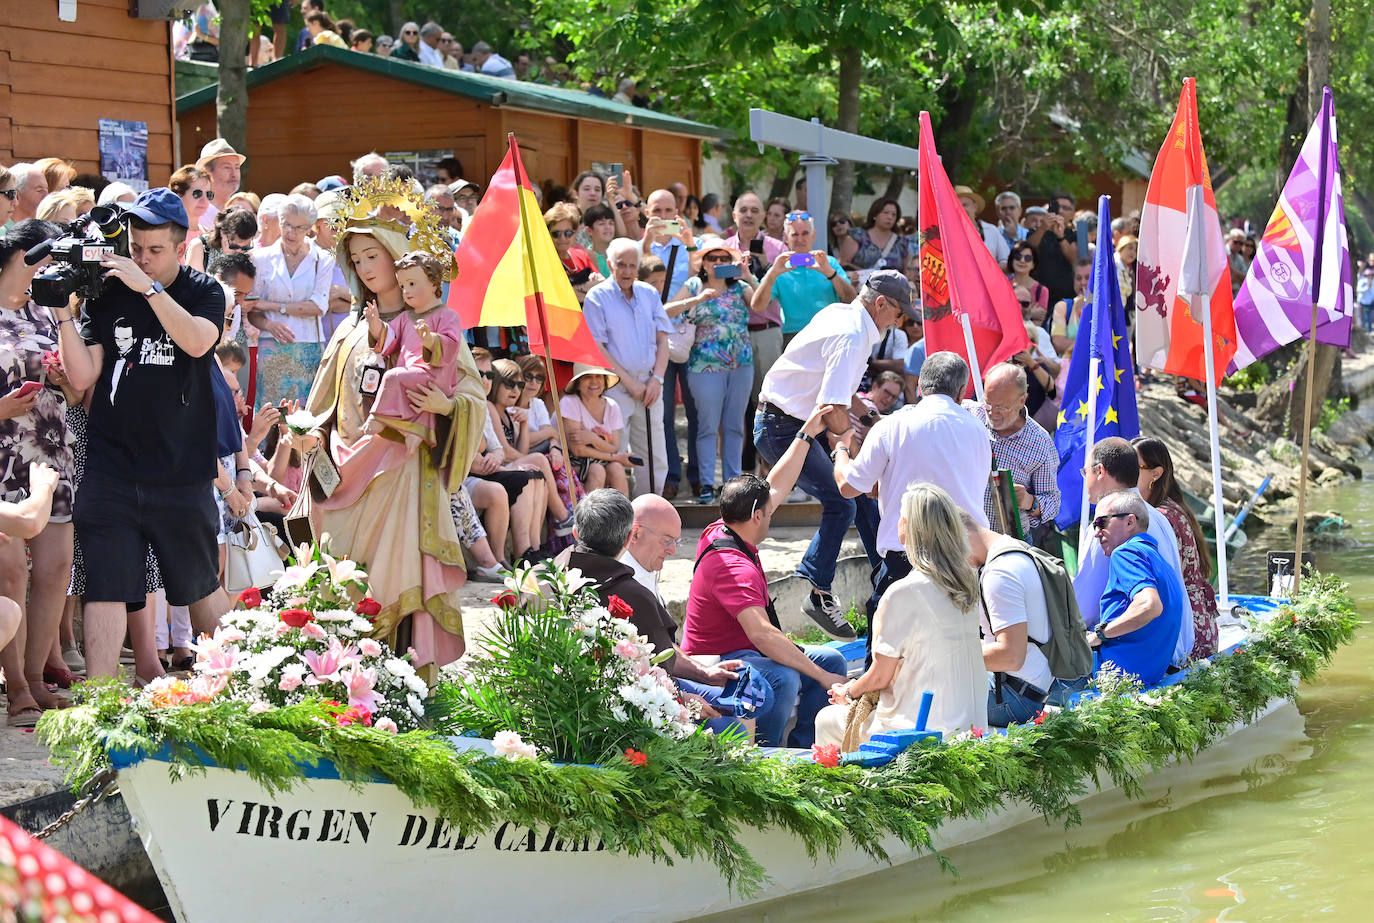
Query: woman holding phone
[
  {"x": 33, "y": 428},
  {"x": 720, "y": 369}
]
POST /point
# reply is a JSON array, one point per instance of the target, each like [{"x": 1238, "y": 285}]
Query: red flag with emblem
[{"x": 959, "y": 276}]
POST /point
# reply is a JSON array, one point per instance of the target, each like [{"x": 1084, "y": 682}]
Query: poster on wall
[
  {"x": 124, "y": 152},
  {"x": 425, "y": 164}
]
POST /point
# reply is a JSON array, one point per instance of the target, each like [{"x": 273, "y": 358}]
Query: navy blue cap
[{"x": 159, "y": 206}]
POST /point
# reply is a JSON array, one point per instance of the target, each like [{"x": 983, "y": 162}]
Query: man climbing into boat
[
  {"x": 1113, "y": 466},
  {"x": 1142, "y": 604}
]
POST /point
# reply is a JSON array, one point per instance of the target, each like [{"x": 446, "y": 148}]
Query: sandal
[
  {"x": 62, "y": 678},
  {"x": 26, "y": 717}
]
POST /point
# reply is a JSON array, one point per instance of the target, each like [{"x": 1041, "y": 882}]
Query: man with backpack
[{"x": 1033, "y": 636}]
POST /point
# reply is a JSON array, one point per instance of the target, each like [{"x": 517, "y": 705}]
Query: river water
[{"x": 1276, "y": 825}]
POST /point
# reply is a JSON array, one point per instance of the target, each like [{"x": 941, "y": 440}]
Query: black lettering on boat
[
  {"x": 444, "y": 830},
  {"x": 500, "y": 836},
  {"x": 415, "y": 824},
  {"x": 247, "y": 818},
  {"x": 297, "y": 826},
  {"x": 332, "y": 826},
  {"x": 548, "y": 841},
  {"x": 216, "y": 812},
  {"x": 363, "y": 823},
  {"x": 464, "y": 843},
  {"x": 269, "y": 815}
]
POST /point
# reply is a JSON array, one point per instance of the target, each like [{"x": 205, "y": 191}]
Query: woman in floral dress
[
  {"x": 33, "y": 428},
  {"x": 1160, "y": 489},
  {"x": 721, "y": 364}
]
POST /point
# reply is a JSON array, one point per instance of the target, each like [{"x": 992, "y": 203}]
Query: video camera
[{"x": 76, "y": 257}]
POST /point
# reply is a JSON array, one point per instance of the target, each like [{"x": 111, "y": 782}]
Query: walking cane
[
  {"x": 649, "y": 429},
  {"x": 648, "y": 417}
]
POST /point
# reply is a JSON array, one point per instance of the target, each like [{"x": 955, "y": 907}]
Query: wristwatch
[
  {"x": 1101, "y": 631},
  {"x": 154, "y": 289},
  {"x": 870, "y": 417},
  {"x": 842, "y": 447},
  {"x": 805, "y": 437},
  {"x": 658, "y": 378}
]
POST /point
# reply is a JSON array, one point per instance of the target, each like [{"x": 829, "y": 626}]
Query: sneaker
[
  {"x": 821, "y": 608},
  {"x": 563, "y": 526},
  {"x": 487, "y": 574},
  {"x": 706, "y": 496},
  {"x": 798, "y": 496},
  {"x": 73, "y": 659}
]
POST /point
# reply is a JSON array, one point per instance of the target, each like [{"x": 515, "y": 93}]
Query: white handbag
[
  {"x": 253, "y": 556},
  {"x": 681, "y": 338}
]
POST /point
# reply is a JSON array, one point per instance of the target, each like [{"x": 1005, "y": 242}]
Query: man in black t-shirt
[
  {"x": 146, "y": 347},
  {"x": 1056, "y": 248}
]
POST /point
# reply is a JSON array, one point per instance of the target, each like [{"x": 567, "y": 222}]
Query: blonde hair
[
  {"x": 250, "y": 197},
  {"x": 937, "y": 543},
  {"x": 563, "y": 211},
  {"x": 5, "y": 176},
  {"x": 54, "y": 202},
  {"x": 56, "y": 172}
]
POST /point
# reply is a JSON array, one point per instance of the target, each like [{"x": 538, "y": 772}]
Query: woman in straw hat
[{"x": 599, "y": 462}]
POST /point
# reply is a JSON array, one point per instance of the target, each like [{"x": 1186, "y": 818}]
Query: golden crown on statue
[{"x": 392, "y": 203}]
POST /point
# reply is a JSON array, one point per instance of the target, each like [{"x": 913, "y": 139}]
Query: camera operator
[
  {"x": 145, "y": 344},
  {"x": 1055, "y": 246}
]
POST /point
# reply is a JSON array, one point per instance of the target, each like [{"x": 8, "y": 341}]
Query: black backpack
[{"x": 1066, "y": 648}]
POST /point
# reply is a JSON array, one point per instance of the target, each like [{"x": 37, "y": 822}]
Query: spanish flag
[{"x": 509, "y": 274}]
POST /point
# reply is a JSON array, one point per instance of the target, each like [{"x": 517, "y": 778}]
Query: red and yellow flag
[{"x": 509, "y": 274}]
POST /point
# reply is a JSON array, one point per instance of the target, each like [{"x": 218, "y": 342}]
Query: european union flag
[{"x": 1101, "y": 360}]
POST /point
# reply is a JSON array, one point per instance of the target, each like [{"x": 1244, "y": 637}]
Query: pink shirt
[{"x": 725, "y": 584}]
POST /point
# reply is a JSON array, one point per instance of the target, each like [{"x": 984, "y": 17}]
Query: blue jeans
[
  {"x": 1016, "y": 708},
  {"x": 790, "y": 687},
  {"x": 673, "y": 375},
  {"x": 720, "y": 398},
  {"x": 712, "y": 695},
  {"x": 773, "y": 433},
  {"x": 1367, "y": 317}
]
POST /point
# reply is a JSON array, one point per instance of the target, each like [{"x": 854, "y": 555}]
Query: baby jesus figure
[{"x": 425, "y": 340}]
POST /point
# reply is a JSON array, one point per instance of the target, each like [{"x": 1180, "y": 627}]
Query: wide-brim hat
[
  {"x": 213, "y": 150},
  {"x": 967, "y": 192},
  {"x": 582, "y": 370},
  {"x": 459, "y": 185},
  {"x": 705, "y": 246}
]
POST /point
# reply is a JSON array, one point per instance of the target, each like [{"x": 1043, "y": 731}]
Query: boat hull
[{"x": 328, "y": 852}]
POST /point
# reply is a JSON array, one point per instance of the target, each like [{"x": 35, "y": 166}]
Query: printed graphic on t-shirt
[{"x": 124, "y": 342}]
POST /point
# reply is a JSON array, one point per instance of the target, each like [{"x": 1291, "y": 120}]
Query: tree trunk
[
  {"x": 398, "y": 16},
  {"x": 847, "y": 119},
  {"x": 783, "y": 180},
  {"x": 231, "y": 102},
  {"x": 895, "y": 184}
]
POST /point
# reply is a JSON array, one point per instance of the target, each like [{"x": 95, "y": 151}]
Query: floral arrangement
[
  {"x": 562, "y": 675},
  {"x": 667, "y": 797},
  {"x": 307, "y": 641}
]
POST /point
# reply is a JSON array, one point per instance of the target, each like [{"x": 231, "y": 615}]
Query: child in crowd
[{"x": 425, "y": 341}]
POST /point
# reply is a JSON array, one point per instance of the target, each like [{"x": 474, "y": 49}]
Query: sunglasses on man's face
[{"x": 1100, "y": 523}]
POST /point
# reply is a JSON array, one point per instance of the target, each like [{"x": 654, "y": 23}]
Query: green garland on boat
[{"x": 691, "y": 797}]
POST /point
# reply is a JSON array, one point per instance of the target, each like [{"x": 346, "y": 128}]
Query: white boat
[{"x": 225, "y": 849}]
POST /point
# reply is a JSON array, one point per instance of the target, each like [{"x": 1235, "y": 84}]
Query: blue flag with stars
[{"x": 1101, "y": 335}]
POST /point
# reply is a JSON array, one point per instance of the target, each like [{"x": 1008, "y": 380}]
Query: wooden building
[
  {"x": 311, "y": 113},
  {"x": 58, "y": 79}
]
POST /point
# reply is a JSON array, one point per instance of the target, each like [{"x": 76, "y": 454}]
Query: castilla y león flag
[
  {"x": 509, "y": 272},
  {"x": 959, "y": 276},
  {"x": 1181, "y": 260}
]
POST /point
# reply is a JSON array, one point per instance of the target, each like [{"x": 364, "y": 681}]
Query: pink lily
[{"x": 360, "y": 683}]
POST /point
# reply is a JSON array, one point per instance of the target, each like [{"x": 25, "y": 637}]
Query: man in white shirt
[
  {"x": 992, "y": 238},
  {"x": 822, "y": 366},
  {"x": 430, "y": 34},
  {"x": 490, "y": 63},
  {"x": 1113, "y": 465},
  {"x": 654, "y": 537},
  {"x": 935, "y": 441},
  {"x": 1013, "y": 612}
]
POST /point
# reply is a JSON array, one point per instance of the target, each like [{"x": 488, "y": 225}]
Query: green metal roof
[{"x": 494, "y": 91}]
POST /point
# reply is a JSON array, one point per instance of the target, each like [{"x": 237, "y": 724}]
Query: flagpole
[
  {"x": 1312, "y": 343},
  {"x": 1084, "y": 517},
  {"x": 973, "y": 367},
  {"x": 1223, "y": 595},
  {"x": 541, "y": 314}
]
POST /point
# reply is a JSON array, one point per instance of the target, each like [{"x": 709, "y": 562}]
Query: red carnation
[
  {"x": 1040, "y": 717},
  {"x": 368, "y": 607},
  {"x": 619, "y": 607},
  {"x": 977, "y": 732},
  {"x": 634, "y": 757},
  {"x": 296, "y": 618},
  {"x": 826, "y": 754},
  {"x": 505, "y": 600},
  {"x": 251, "y": 598},
  {"x": 356, "y": 714}
]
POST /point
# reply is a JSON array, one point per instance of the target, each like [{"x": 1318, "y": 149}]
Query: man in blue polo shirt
[{"x": 1142, "y": 604}]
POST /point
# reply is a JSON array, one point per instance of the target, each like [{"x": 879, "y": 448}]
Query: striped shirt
[{"x": 1029, "y": 454}]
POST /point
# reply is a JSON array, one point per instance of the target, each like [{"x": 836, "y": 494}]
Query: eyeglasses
[
  {"x": 10, "y": 194},
  {"x": 798, "y": 216},
  {"x": 998, "y": 408},
  {"x": 560, "y": 234},
  {"x": 298, "y": 228},
  {"x": 669, "y": 544},
  {"x": 238, "y": 247},
  {"x": 409, "y": 32},
  {"x": 1100, "y": 522},
  {"x": 1086, "y": 470},
  {"x": 198, "y": 193}
]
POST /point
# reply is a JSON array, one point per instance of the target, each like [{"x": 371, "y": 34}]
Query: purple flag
[{"x": 1305, "y": 238}]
